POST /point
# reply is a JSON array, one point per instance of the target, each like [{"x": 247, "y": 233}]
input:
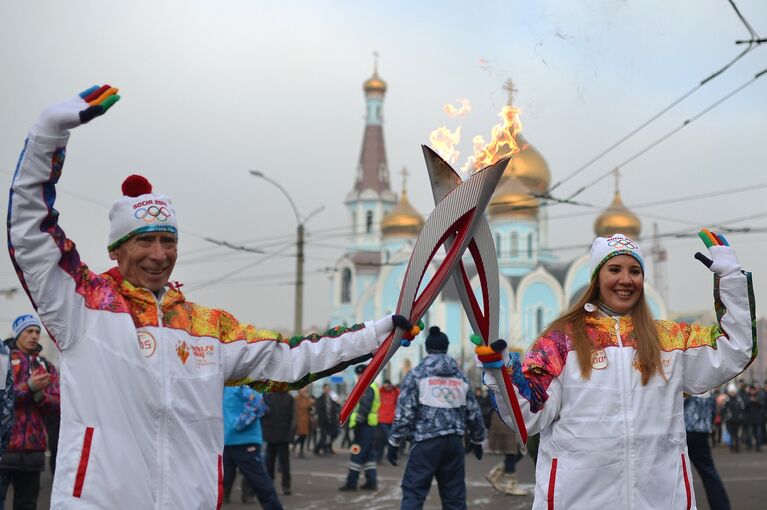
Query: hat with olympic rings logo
[
  {"x": 139, "y": 211},
  {"x": 605, "y": 248}
]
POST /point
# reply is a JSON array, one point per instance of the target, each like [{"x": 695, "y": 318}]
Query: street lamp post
[{"x": 299, "y": 287}]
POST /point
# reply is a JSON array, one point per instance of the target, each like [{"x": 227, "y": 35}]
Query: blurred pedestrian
[
  {"x": 503, "y": 476},
  {"x": 699, "y": 411},
  {"x": 753, "y": 419},
  {"x": 7, "y": 400},
  {"x": 389, "y": 395},
  {"x": 435, "y": 410},
  {"x": 303, "y": 411},
  {"x": 327, "y": 421},
  {"x": 485, "y": 405},
  {"x": 734, "y": 410},
  {"x": 243, "y": 408},
  {"x": 279, "y": 424},
  {"x": 362, "y": 424},
  {"x": 36, "y": 387}
]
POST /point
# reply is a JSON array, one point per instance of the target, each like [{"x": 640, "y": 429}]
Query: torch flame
[
  {"x": 454, "y": 112},
  {"x": 443, "y": 141},
  {"x": 502, "y": 142}
]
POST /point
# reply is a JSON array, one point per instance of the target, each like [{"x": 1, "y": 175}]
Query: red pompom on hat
[{"x": 136, "y": 185}]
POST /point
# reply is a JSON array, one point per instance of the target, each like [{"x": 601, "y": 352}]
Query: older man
[{"x": 142, "y": 369}]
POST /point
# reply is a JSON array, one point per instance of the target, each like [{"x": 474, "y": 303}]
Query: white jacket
[
  {"x": 141, "y": 424},
  {"x": 609, "y": 441}
]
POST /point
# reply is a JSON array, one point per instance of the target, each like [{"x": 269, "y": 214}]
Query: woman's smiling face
[{"x": 621, "y": 282}]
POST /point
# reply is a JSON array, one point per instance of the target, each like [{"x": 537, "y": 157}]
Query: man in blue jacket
[
  {"x": 243, "y": 408},
  {"x": 435, "y": 408}
]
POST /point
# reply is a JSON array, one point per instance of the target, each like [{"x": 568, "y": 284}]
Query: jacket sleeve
[
  {"x": 365, "y": 405},
  {"x": 253, "y": 407},
  {"x": 474, "y": 421},
  {"x": 714, "y": 355},
  {"x": 46, "y": 262},
  {"x": 535, "y": 382},
  {"x": 267, "y": 362},
  {"x": 406, "y": 411},
  {"x": 51, "y": 394}
]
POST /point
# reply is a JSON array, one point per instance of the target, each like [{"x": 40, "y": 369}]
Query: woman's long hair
[{"x": 573, "y": 322}]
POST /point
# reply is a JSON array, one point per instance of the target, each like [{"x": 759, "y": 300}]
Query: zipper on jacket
[
  {"x": 165, "y": 404},
  {"x": 624, "y": 385}
]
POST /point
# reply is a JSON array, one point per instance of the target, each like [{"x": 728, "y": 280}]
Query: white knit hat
[
  {"x": 605, "y": 248},
  {"x": 139, "y": 211}
]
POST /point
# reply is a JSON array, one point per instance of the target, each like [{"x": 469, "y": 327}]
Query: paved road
[{"x": 316, "y": 481}]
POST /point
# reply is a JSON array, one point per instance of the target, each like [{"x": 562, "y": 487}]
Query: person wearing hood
[
  {"x": 435, "y": 410},
  {"x": 36, "y": 385}
]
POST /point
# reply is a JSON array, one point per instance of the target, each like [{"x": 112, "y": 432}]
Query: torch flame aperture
[
  {"x": 461, "y": 111},
  {"x": 502, "y": 142},
  {"x": 444, "y": 141}
]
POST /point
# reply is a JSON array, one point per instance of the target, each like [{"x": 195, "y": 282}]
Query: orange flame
[
  {"x": 454, "y": 112},
  {"x": 443, "y": 141},
  {"x": 502, "y": 142}
]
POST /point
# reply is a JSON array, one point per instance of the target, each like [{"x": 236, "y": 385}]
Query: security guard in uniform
[{"x": 363, "y": 423}]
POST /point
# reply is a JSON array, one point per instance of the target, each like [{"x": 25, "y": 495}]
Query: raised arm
[
  {"x": 46, "y": 261},
  {"x": 268, "y": 362},
  {"x": 714, "y": 355}
]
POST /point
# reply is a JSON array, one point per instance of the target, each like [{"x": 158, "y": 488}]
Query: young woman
[{"x": 604, "y": 383}]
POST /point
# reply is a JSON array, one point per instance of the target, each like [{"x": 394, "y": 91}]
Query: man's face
[
  {"x": 28, "y": 339},
  {"x": 146, "y": 260}
]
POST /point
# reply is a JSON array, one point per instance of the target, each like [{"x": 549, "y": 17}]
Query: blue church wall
[
  {"x": 537, "y": 295},
  {"x": 581, "y": 279}
]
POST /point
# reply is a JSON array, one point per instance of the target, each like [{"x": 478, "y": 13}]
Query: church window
[
  {"x": 369, "y": 222},
  {"x": 530, "y": 245},
  {"x": 497, "y": 245},
  {"x": 514, "y": 244},
  {"x": 538, "y": 320},
  {"x": 346, "y": 285}
]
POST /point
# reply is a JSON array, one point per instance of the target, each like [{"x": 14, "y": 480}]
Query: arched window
[
  {"x": 514, "y": 244},
  {"x": 346, "y": 285},
  {"x": 530, "y": 245},
  {"x": 369, "y": 222},
  {"x": 538, "y": 320},
  {"x": 497, "y": 245}
]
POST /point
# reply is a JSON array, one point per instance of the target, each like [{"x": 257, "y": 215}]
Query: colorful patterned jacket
[
  {"x": 609, "y": 441},
  {"x": 29, "y": 412},
  {"x": 436, "y": 400},
  {"x": 142, "y": 379}
]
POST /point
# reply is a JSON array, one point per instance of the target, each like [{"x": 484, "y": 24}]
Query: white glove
[{"x": 58, "y": 119}]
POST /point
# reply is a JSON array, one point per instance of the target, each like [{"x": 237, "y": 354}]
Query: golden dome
[
  {"x": 530, "y": 167},
  {"x": 512, "y": 199},
  {"x": 618, "y": 219},
  {"x": 374, "y": 84},
  {"x": 402, "y": 220}
]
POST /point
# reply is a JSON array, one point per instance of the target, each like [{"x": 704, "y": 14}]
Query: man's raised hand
[{"x": 57, "y": 119}]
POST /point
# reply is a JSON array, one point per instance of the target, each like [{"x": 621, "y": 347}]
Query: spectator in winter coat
[
  {"x": 327, "y": 421},
  {"x": 304, "y": 406},
  {"x": 734, "y": 410},
  {"x": 435, "y": 410},
  {"x": 389, "y": 395},
  {"x": 279, "y": 427},
  {"x": 7, "y": 409},
  {"x": 36, "y": 385},
  {"x": 753, "y": 419},
  {"x": 699, "y": 411},
  {"x": 485, "y": 405}
]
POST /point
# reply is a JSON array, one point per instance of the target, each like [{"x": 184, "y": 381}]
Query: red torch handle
[{"x": 366, "y": 378}]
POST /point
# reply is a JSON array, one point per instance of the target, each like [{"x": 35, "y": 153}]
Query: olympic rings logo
[
  {"x": 447, "y": 394},
  {"x": 152, "y": 213},
  {"x": 622, "y": 242}
]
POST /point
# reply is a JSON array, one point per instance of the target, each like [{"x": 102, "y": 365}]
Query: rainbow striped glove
[
  {"x": 490, "y": 356},
  {"x": 57, "y": 119},
  {"x": 723, "y": 260}
]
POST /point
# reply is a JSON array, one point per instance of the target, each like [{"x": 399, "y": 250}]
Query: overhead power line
[{"x": 753, "y": 42}]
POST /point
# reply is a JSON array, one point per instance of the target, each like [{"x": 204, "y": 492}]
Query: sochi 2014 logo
[{"x": 151, "y": 214}]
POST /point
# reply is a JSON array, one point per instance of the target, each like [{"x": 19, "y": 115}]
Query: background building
[{"x": 535, "y": 286}]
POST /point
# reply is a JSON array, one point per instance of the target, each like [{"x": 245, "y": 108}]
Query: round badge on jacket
[{"x": 599, "y": 359}]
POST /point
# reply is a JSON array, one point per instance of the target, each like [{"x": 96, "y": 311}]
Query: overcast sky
[{"x": 211, "y": 89}]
